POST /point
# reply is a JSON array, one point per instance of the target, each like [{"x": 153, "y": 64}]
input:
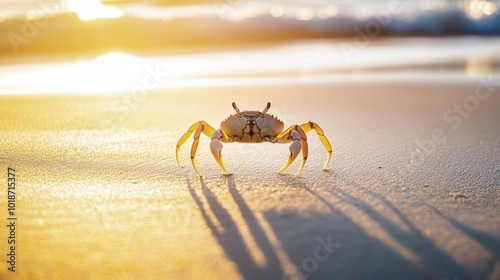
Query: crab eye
[
  {"x": 236, "y": 108},
  {"x": 267, "y": 108}
]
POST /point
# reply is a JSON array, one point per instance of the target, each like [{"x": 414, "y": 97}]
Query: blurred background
[
  {"x": 48, "y": 26},
  {"x": 109, "y": 39}
]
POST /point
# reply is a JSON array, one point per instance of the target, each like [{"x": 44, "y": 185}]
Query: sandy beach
[
  {"x": 412, "y": 191},
  {"x": 95, "y": 94}
]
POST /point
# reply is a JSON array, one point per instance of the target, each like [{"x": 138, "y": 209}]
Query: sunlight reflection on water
[{"x": 118, "y": 72}]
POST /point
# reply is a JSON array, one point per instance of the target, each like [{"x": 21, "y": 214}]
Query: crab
[{"x": 254, "y": 127}]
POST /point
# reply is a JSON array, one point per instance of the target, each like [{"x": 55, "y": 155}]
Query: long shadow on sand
[
  {"x": 363, "y": 257},
  {"x": 436, "y": 264},
  {"x": 231, "y": 238},
  {"x": 359, "y": 256},
  {"x": 489, "y": 242},
  {"x": 302, "y": 235}
]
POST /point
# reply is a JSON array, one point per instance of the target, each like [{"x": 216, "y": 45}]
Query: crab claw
[
  {"x": 295, "y": 148},
  {"x": 216, "y": 149}
]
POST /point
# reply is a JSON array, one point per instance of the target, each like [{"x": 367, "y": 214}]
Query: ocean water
[
  {"x": 454, "y": 59},
  {"x": 112, "y": 46},
  {"x": 388, "y": 17},
  {"x": 323, "y": 17}
]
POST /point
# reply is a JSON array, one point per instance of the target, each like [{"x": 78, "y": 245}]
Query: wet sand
[{"x": 412, "y": 191}]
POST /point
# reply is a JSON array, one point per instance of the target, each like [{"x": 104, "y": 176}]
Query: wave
[{"x": 138, "y": 26}]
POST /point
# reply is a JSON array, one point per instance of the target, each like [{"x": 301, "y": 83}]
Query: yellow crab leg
[
  {"x": 207, "y": 130},
  {"x": 321, "y": 134},
  {"x": 216, "y": 148},
  {"x": 280, "y": 136},
  {"x": 194, "y": 147},
  {"x": 305, "y": 148},
  {"x": 298, "y": 136},
  {"x": 294, "y": 151}
]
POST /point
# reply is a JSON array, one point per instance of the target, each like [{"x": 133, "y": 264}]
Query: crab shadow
[
  {"x": 489, "y": 242},
  {"x": 300, "y": 234},
  {"x": 231, "y": 238},
  {"x": 434, "y": 262}
]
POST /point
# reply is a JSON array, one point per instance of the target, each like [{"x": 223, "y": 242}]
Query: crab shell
[{"x": 252, "y": 127}]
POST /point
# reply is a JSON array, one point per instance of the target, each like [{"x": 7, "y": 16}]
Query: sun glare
[
  {"x": 480, "y": 8},
  {"x": 109, "y": 72},
  {"x": 92, "y": 9}
]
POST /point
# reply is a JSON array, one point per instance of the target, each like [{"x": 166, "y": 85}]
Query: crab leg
[
  {"x": 216, "y": 148},
  {"x": 305, "y": 148},
  {"x": 321, "y": 134},
  {"x": 299, "y": 138},
  {"x": 194, "y": 147},
  {"x": 206, "y": 129}
]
